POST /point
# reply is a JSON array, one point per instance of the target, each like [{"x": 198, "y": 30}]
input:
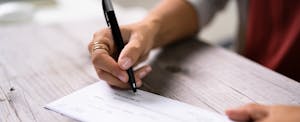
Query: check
[{"x": 100, "y": 103}]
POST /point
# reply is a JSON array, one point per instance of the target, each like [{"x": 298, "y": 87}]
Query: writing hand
[{"x": 138, "y": 39}]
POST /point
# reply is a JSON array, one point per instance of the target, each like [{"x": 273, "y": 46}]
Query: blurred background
[{"x": 220, "y": 32}]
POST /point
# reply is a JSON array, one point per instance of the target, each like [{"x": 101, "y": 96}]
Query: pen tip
[{"x": 134, "y": 87}]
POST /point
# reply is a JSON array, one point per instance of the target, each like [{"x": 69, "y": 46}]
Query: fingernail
[
  {"x": 126, "y": 63},
  {"x": 148, "y": 68},
  {"x": 122, "y": 78},
  {"x": 142, "y": 74}
]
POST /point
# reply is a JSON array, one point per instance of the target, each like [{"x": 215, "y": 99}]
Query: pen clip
[
  {"x": 107, "y": 19},
  {"x": 107, "y": 7}
]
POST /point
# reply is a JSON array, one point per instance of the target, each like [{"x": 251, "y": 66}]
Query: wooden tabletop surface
[{"x": 42, "y": 63}]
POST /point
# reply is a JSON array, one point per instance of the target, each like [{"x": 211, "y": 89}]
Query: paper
[{"x": 100, "y": 103}]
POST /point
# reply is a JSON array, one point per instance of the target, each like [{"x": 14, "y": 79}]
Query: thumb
[
  {"x": 130, "y": 54},
  {"x": 248, "y": 112}
]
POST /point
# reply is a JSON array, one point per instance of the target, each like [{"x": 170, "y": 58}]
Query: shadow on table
[{"x": 172, "y": 64}]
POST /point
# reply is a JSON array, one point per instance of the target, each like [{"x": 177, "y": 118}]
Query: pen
[{"x": 112, "y": 23}]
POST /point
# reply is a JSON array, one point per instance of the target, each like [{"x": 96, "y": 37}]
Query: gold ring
[{"x": 97, "y": 46}]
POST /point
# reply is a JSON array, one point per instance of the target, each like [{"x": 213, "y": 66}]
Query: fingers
[
  {"x": 101, "y": 50},
  {"x": 102, "y": 61},
  {"x": 238, "y": 114},
  {"x": 131, "y": 52},
  {"x": 142, "y": 72},
  {"x": 249, "y": 112},
  {"x": 104, "y": 36},
  {"x": 113, "y": 81}
]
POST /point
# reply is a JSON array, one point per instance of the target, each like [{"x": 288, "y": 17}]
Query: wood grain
[
  {"x": 205, "y": 75},
  {"x": 41, "y": 63}
]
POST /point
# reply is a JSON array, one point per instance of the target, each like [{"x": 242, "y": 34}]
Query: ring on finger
[{"x": 98, "y": 46}]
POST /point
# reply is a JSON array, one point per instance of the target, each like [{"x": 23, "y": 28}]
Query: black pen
[{"x": 112, "y": 23}]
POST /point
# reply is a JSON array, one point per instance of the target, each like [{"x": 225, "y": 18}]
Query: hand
[
  {"x": 263, "y": 113},
  {"x": 138, "y": 39}
]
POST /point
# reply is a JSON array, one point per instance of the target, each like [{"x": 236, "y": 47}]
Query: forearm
[{"x": 174, "y": 20}]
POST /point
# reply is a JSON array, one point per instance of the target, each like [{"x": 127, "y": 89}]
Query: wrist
[{"x": 154, "y": 23}]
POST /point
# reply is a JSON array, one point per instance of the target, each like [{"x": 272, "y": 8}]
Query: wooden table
[{"x": 41, "y": 63}]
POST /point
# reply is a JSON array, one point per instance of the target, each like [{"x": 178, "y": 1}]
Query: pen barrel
[
  {"x": 119, "y": 43},
  {"x": 117, "y": 36}
]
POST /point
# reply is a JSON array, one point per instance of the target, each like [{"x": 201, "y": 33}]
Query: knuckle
[
  {"x": 103, "y": 37},
  {"x": 95, "y": 59},
  {"x": 100, "y": 33},
  {"x": 101, "y": 72},
  {"x": 136, "y": 47},
  {"x": 140, "y": 37},
  {"x": 105, "y": 31},
  {"x": 105, "y": 40},
  {"x": 96, "y": 34}
]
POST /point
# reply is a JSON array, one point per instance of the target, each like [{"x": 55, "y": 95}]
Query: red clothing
[{"x": 273, "y": 35}]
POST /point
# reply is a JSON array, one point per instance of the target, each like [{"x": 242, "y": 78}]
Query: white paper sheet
[{"x": 100, "y": 103}]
